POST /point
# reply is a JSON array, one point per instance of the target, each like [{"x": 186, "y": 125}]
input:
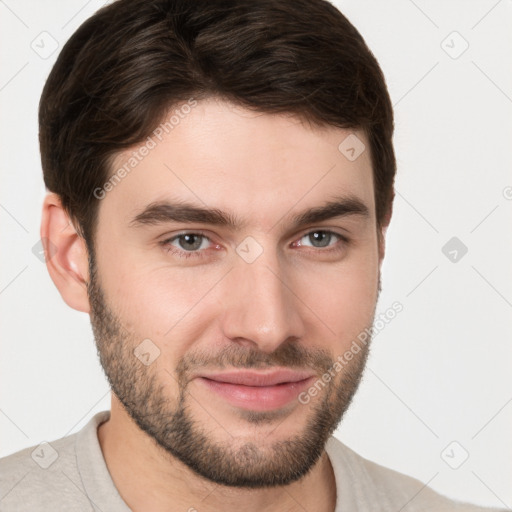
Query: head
[{"x": 221, "y": 179}]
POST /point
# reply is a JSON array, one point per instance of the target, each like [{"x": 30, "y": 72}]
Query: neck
[{"x": 147, "y": 478}]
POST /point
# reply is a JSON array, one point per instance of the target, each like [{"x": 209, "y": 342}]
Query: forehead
[{"x": 224, "y": 156}]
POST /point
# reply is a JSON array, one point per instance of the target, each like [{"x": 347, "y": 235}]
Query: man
[{"x": 220, "y": 182}]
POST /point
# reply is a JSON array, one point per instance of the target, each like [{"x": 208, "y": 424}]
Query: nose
[{"x": 262, "y": 309}]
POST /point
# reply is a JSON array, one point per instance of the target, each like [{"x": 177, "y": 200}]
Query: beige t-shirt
[{"x": 70, "y": 474}]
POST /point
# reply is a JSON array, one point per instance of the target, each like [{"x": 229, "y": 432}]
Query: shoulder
[
  {"x": 43, "y": 477},
  {"x": 367, "y": 481},
  {"x": 31, "y": 478}
]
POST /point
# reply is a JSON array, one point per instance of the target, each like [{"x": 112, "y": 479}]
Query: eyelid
[
  {"x": 167, "y": 238},
  {"x": 300, "y": 234},
  {"x": 338, "y": 231}
]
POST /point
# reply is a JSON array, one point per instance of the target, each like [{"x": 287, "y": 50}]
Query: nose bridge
[{"x": 261, "y": 310}]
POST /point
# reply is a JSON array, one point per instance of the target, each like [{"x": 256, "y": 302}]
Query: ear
[
  {"x": 383, "y": 229},
  {"x": 66, "y": 254}
]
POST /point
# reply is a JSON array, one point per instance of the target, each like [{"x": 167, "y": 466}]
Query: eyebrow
[{"x": 160, "y": 212}]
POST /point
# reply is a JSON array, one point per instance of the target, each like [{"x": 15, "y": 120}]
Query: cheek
[
  {"x": 342, "y": 297},
  {"x": 160, "y": 302}
]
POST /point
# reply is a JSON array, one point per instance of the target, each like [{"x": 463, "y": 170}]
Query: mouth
[{"x": 258, "y": 391}]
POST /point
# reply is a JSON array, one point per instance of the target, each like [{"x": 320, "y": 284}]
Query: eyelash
[{"x": 200, "y": 253}]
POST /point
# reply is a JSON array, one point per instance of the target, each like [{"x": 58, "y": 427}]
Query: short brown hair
[{"x": 132, "y": 61}]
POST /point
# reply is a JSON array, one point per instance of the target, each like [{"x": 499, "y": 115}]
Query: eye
[
  {"x": 321, "y": 238},
  {"x": 195, "y": 244},
  {"x": 186, "y": 244}
]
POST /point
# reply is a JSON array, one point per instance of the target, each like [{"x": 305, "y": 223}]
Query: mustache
[{"x": 288, "y": 355}]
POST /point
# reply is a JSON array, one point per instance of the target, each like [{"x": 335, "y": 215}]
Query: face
[{"x": 235, "y": 262}]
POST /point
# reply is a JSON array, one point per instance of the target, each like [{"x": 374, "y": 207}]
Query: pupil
[
  {"x": 189, "y": 239},
  {"x": 320, "y": 237}
]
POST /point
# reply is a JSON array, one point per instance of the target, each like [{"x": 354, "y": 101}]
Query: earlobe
[{"x": 66, "y": 254}]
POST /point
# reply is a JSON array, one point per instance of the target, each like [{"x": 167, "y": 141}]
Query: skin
[{"x": 296, "y": 305}]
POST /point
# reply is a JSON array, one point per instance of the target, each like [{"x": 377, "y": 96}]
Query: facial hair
[{"x": 141, "y": 391}]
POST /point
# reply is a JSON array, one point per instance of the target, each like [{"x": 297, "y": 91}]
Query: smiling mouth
[{"x": 258, "y": 391}]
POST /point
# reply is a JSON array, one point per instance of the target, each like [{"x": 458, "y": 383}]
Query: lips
[
  {"x": 256, "y": 390},
  {"x": 253, "y": 378}
]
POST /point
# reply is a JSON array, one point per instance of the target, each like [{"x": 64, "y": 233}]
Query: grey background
[{"x": 438, "y": 383}]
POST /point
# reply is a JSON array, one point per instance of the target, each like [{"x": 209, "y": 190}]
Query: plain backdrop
[{"x": 436, "y": 399}]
